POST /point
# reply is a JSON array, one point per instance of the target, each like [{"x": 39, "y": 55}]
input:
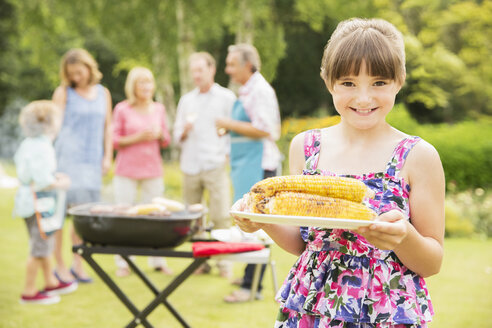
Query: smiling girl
[{"x": 373, "y": 276}]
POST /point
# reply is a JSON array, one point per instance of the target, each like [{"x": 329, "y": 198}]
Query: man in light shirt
[
  {"x": 204, "y": 149},
  {"x": 254, "y": 127}
]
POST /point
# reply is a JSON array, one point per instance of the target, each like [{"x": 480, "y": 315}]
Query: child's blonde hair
[
  {"x": 375, "y": 41},
  {"x": 79, "y": 56},
  {"x": 40, "y": 117},
  {"x": 136, "y": 73}
]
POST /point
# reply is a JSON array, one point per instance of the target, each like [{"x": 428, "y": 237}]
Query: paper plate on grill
[{"x": 305, "y": 221}]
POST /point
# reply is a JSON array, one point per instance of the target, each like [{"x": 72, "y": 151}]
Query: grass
[{"x": 460, "y": 293}]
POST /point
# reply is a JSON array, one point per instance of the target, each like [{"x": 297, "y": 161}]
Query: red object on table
[{"x": 201, "y": 249}]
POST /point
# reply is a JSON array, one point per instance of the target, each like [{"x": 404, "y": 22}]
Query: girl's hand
[
  {"x": 244, "y": 224},
  {"x": 389, "y": 233}
]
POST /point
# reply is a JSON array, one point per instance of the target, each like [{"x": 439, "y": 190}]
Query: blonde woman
[
  {"x": 83, "y": 147},
  {"x": 139, "y": 132}
]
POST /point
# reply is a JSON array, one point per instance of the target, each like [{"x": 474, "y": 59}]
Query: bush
[
  {"x": 465, "y": 148},
  {"x": 469, "y": 208},
  {"x": 456, "y": 225}
]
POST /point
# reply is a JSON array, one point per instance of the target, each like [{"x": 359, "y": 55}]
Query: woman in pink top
[{"x": 139, "y": 132}]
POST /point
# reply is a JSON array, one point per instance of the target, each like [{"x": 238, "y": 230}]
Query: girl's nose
[{"x": 364, "y": 97}]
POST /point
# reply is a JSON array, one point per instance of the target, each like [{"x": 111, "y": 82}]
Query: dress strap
[
  {"x": 312, "y": 146},
  {"x": 400, "y": 155}
]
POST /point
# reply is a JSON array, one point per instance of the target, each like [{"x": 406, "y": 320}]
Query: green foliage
[
  {"x": 300, "y": 88},
  {"x": 469, "y": 213},
  {"x": 464, "y": 147},
  {"x": 465, "y": 150},
  {"x": 449, "y": 74},
  {"x": 456, "y": 226}
]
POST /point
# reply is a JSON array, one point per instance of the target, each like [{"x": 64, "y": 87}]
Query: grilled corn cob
[
  {"x": 253, "y": 200},
  {"x": 169, "y": 204},
  {"x": 146, "y": 209},
  {"x": 301, "y": 204},
  {"x": 336, "y": 187}
]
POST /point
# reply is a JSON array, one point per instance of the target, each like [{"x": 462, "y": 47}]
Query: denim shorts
[{"x": 38, "y": 247}]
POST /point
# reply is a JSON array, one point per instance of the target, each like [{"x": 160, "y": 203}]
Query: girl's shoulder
[
  {"x": 298, "y": 140},
  {"x": 423, "y": 154}
]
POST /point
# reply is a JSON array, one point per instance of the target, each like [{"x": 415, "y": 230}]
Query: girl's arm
[
  {"x": 287, "y": 237},
  {"x": 108, "y": 137},
  {"x": 419, "y": 244}
]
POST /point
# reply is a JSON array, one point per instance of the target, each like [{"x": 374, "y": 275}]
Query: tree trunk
[
  {"x": 185, "y": 47},
  {"x": 245, "y": 27}
]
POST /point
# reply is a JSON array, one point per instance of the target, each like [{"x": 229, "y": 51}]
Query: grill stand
[{"x": 86, "y": 250}]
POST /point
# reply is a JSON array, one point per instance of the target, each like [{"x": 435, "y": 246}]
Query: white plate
[
  {"x": 304, "y": 221},
  {"x": 236, "y": 235}
]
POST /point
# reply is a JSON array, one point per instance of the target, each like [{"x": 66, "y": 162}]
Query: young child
[
  {"x": 371, "y": 277},
  {"x": 36, "y": 164}
]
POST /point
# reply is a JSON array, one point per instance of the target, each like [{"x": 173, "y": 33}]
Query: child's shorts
[{"x": 39, "y": 247}]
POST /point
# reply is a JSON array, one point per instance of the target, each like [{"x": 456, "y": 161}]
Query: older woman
[{"x": 139, "y": 132}]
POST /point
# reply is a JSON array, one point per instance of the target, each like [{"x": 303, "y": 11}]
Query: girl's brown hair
[
  {"x": 375, "y": 41},
  {"x": 79, "y": 56}
]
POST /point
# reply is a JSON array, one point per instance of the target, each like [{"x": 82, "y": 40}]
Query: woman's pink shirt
[{"x": 141, "y": 160}]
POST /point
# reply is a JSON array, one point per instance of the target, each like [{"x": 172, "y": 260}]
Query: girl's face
[
  {"x": 144, "y": 89},
  {"x": 363, "y": 101},
  {"x": 78, "y": 74}
]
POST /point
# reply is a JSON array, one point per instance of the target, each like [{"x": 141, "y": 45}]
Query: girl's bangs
[{"x": 365, "y": 47}]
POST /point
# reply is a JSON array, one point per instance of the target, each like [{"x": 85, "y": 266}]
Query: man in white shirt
[{"x": 204, "y": 148}]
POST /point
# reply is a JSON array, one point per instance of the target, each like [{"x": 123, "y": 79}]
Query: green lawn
[{"x": 461, "y": 292}]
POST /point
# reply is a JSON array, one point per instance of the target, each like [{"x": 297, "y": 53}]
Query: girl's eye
[
  {"x": 348, "y": 84},
  {"x": 380, "y": 83}
]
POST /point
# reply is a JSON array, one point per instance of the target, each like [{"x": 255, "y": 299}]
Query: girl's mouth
[{"x": 363, "y": 111}]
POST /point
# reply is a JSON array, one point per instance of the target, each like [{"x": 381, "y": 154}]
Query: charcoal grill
[
  {"x": 136, "y": 231},
  {"x": 137, "y": 235}
]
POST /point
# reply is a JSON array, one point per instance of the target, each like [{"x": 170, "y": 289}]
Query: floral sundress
[{"x": 341, "y": 280}]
